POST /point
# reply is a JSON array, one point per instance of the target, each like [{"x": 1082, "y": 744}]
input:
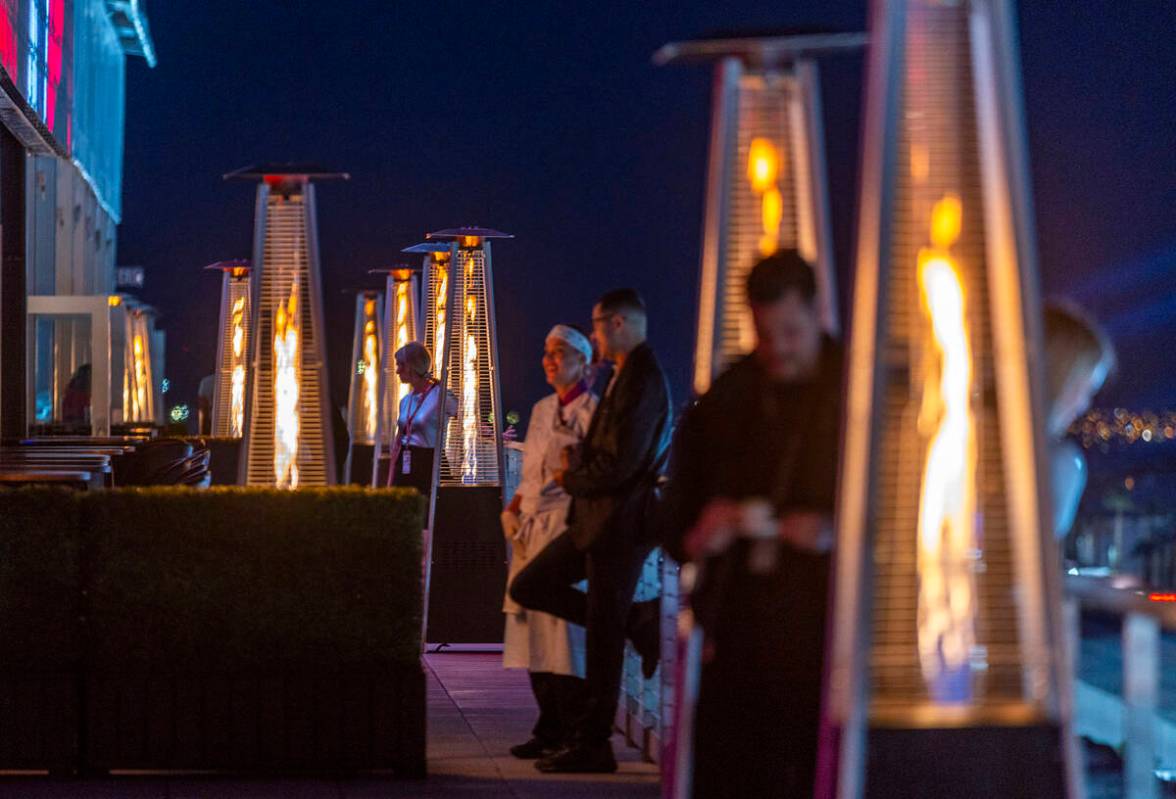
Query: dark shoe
[
  {"x": 580, "y": 759},
  {"x": 645, "y": 633},
  {"x": 534, "y": 749}
]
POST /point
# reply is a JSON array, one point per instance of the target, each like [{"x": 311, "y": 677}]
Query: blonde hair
[
  {"x": 1076, "y": 348},
  {"x": 416, "y": 357}
]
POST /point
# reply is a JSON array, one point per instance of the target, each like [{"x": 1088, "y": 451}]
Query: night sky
[{"x": 548, "y": 121}]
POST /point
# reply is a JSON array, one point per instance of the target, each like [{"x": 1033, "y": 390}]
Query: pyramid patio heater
[
  {"x": 766, "y": 183},
  {"x": 399, "y": 326},
  {"x": 363, "y": 397},
  {"x": 948, "y": 676},
  {"x": 232, "y": 349},
  {"x": 141, "y": 401},
  {"x": 467, "y": 561},
  {"x": 288, "y": 439}
]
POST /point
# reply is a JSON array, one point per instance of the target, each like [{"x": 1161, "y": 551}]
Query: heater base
[
  {"x": 966, "y": 763},
  {"x": 469, "y": 567},
  {"x": 361, "y": 465}
]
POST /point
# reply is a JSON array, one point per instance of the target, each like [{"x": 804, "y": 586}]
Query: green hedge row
[{"x": 229, "y": 579}]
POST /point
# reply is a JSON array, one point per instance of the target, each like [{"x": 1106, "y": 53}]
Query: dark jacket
[
  {"x": 628, "y": 433},
  {"x": 749, "y": 438}
]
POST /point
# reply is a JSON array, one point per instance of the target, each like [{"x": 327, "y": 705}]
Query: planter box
[
  {"x": 39, "y": 721},
  {"x": 315, "y": 723}
]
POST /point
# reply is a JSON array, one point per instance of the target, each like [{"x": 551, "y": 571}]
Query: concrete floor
[{"x": 477, "y": 711}]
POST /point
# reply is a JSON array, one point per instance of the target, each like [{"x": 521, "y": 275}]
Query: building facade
[{"x": 62, "y": 105}]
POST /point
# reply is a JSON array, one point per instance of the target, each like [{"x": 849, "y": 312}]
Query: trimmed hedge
[
  {"x": 39, "y": 580},
  {"x": 238, "y": 578},
  {"x": 302, "y": 608}
]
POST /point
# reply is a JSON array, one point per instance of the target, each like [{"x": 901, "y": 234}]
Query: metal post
[
  {"x": 1141, "y": 655},
  {"x": 13, "y": 293}
]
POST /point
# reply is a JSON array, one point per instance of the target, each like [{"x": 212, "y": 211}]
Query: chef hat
[{"x": 574, "y": 339}]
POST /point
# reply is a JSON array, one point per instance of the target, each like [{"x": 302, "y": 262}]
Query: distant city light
[
  {"x": 180, "y": 413},
  {"x": 164, "y": 386}
]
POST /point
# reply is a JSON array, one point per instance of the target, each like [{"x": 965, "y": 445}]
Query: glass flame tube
[{"x": 287, "y": 366}]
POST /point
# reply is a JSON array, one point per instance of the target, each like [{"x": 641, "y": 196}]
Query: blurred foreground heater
[
  {"x": 232, "y": 349},
  {"x": 766, "y": 184},
  {"x": 288, "y": 440},
  {"x": 363, "y": 397},
  {"x": 948, "y": 675},
  {"x": 461, "y": 325},
  {"x": 399, "y": 326}
]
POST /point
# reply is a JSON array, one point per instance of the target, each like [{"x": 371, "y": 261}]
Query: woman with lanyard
[
  {"x": 416, "y": 432},
  {"x": 551, "y": 649}
]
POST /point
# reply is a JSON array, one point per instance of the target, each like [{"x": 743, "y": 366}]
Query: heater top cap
[
  {"x": 287, "y": 170},
  {"x": 395, "y": 269},
  {"x": 231, "y": 265},
  {"x": 426, "y": 247},
  {"x": 772, "y": 49},
  {"x": 453, "y": 233}
]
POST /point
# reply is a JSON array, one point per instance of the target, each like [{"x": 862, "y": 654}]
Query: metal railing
[{"x": 1142, "y": 622}]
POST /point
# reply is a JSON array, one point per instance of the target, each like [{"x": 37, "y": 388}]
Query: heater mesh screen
[
  {"x": 363, "y": 398},
  {"x": 234, "y": 295},
  {"x": 286, "y": 258},
  {"x": 937, "y": 156},
  {"x": 763, "y": 114},
  {"x": 471, "y": 437},
  {"x": 400, "y": 314}
]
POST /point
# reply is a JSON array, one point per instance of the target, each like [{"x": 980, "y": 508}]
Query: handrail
[
  {"x": 1142, "y": 620},
  {"x": 1121, "y": 597}
]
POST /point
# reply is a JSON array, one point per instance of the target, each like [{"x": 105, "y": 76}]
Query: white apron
[{"x": 532, "y": 640}]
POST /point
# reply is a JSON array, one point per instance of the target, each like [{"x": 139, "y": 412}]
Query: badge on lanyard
[{"x": 406, "y": 461}]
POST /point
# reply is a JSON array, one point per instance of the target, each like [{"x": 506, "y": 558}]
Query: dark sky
[{"x": 547, "y": 120}]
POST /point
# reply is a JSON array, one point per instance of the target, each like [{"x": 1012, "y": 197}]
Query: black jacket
[{"x": 628, "y": 433}]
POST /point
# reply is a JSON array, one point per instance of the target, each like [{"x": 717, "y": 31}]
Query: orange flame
[
  {"x": 237, "y": 384},
  {"x": 287, "y": 366},
  {"x": 947, "y": 502},
  {"x": 469, "y": 390},
  {"x": 763, "y": 173},
  {"x": 371, "y": 370}
]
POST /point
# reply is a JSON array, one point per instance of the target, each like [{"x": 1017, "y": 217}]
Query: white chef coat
[{"x": 533, "y": 640}]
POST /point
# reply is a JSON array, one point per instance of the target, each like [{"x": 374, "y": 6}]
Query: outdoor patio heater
[
  {"x": 232, "y": 349},
  {"x": 288, "y": 441},
  {"x": 766, "y": 183},
  {"x": 948, "y": 676},
  {"x": 141, "y": 400},
  {"x": 363, "y": 397},
  {"x": 399, "y": 326},
  {"x": 467, "y": 554}
]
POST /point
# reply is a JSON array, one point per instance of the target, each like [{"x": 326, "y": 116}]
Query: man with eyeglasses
[{"x": 611, "y": 481}]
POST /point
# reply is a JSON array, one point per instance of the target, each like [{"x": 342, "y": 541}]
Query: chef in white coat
[{"x": 551, "y": 649}]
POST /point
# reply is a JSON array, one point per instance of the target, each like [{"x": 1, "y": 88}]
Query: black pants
[
  {"x": 420, "y": 473},
  {"x": 561, "y": 704},
  {"x": 755, "y": 737},
  {"x": 612, "y": 570}
]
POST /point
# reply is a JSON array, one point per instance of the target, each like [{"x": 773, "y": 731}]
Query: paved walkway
[{"x": 476, "y": 712}]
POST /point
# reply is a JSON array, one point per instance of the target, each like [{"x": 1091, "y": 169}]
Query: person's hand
[
  {"x": 811, "y": 532},
  {"x": 511, "y": 522},
  {"x": 717, "y": 526}
]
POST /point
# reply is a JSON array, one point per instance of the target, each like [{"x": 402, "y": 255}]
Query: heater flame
[
  {"x": 469, "y": 392},
  {"x": 402, "y": 339},
  {"x": 763, "y": 173},
  {"x": 237, "y": 384},
  {"x": 139, "y": 381},
  {"x": 287, "y": 359},
  {"x": 371, "y": 370},
  {"x": 947, "y": 502},
  {"x": 442, "y": 308}
]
